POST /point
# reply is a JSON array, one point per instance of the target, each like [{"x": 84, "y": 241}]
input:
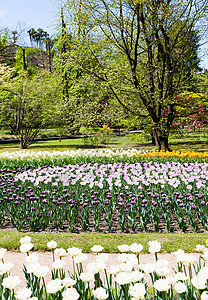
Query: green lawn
[
  {"x": 170, "y": 241},
  {"x": 191, "y": 141}
]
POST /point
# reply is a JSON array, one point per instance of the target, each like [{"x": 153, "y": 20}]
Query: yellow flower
[
  {"x": 174, "y": 153},
  {"x": 207, "y": 242}
]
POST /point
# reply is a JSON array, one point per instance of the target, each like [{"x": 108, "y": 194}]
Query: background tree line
[{"x": 114, "y": 62}]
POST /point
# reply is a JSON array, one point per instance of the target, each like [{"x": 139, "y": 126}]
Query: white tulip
[
  {"x": 23, "y": 293},
  {"x": 2, "y": 252},
  {"x": 178, "y": 253},
  {"x": 123, "y": 278},
  {"x": 58, "y": 264},
  {"x": 205, "y": 256},
  {"x": 114, "y": 269},
  {"x": 41, "y": 271},
  {"x": 147, "y": 268},
  {"x": 126, "y": 267},
  {"x": 33, "y": 257},
  {"x": 199, "y": 282},
  {"x": 136, "y": 248},
  {"x": 60, "y": 252},
  {"x": 103, "y": 257},
  {"x": 180, "y": 287},
  {"x": 68, "y": 282},
  {"x": 96, "y": 267},
  {"x": 26, "y": 247},
  {"x": 154, "y": 246},
  {"x": 80, "y": 259},
  {"x": 74, "y": 251},
  {"x": 132, "y": 259},
  {"x": 204, "y": 296},
  {"x": 161, "y": 263},
  {"x": 70, "y": 294},
  {"x": 136, "y": 276},
  {"x": 201, "y": 248},
  {"x": 188, "y": 259},
  {"x": 162, "y": 285},
  {"x": 32, "y": 267},
  {"x": 100, "y": 293},
  {"x": 11, "y": 282},
  {"x": 180, "y": 276},
  {"x": 54, "y": 286},
  {"x": 52, "y": 244},
  {"x": 87, "y": 276},
  {"x": 162, "y": 271},
  {"x": 25, "y": 240},
  {"x": 137, "y": 291},
  {"x": 122, "y": 258},
  {"x": 123, "y": 248},
  {"x": 203, "y": 272},
  {"x": 97, "y": 248}
]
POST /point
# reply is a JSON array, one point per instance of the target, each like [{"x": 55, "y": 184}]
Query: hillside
[{"x": 33, "y": 57}]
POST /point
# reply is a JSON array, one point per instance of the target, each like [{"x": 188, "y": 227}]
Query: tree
[
  {"x": 28, "y": 103},
  {"x": 38, "y": 38},
  {"x": 41, "y": 40},
  {"x": 192, "y": 111},
  {"x": 90, "y": 103},
  {"x": 3, "y": 38},
  {"x": 151, "y": 41},
  {"x": 8, "y": 48}
]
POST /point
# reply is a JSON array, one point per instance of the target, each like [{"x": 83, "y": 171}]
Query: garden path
[{"x": 45, "y": 258}]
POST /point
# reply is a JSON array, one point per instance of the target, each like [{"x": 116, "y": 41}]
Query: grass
[
  {"x": 49, "y": 145},
  {"x": 73, "y": 144},
  {"x": 193, "y": 141},
  {"x": 170, "y": 241}
]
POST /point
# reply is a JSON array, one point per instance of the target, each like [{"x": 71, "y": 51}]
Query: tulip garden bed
[{"x": 104, "y": 191}]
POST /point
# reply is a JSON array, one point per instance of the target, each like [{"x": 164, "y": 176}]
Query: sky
[
  {"x": 43, "y": 14},
  {"x": 29, "y": 13}
]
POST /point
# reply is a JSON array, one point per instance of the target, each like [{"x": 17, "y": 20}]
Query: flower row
[
  {"x": 126, "y": 280},
  {"x": 23, "y": 154},
  {"x": 180, "y": 154}
]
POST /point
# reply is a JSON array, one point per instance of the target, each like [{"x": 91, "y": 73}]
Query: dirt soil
[{"x": 7, "y": 226}]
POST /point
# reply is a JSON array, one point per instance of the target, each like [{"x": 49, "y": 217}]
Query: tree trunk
[
  {"x": 24, "y": 59},
  {"x": 22, "y": 142},
  {"x": 161, "y": 140},
  {"x": 27, "y": 137},
  {"x": 153, "y": 139}
]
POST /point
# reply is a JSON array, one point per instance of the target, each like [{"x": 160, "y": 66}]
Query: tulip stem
[{"x": 44, "y": 285}]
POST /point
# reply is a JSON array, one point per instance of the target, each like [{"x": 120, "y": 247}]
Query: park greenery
[
  {"x": 27, "y": 104},
  {"x": 111, "y": 65}
]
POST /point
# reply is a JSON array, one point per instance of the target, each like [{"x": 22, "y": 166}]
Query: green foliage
[
  {"x": 139, "y": 138},
  {"x": 3, "y": 38},
  {"x": 105, "y": 134},
  {"x": 191, "y": 112},
  {"x": 89, "y": 136},
  {"x": 141, "y": 58},
  {"x": 95, "y": 136},
  {"x": 29, "y": 53},
  {"x": 28, "y": 103}
]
